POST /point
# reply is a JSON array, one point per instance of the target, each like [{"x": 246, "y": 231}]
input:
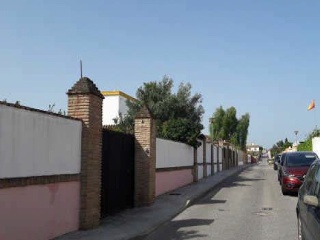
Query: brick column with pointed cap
[
  {"x": 145, "y": 158},
  {"x": 85, "y": 102}
]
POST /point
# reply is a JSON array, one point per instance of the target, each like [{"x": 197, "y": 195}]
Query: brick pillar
[
  {"x": 225, "y": 158},
  {"x": 237, "y": 158},
  {"x": 228, "y": 157},
  {"x": 145, "y": 158},
  {"x": 85, "y": 102},
  {"x": 218, "y": 161},
  {"x": 212, "y": 159},
  {"x": 204, "y": 154},
  {"x": 195, "y": 165}
]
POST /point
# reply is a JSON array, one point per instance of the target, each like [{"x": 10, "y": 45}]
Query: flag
[{"x": 312, "y": 105}]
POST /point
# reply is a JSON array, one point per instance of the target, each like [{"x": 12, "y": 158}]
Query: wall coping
[{"x": 18, "y": 106}]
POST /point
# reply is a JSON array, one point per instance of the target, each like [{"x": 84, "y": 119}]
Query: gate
[{"x": 117, "y": 173}]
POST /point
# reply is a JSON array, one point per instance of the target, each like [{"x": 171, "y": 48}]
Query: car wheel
[
  {"x": 300, "y": 232},
  {"x": 280, "y": 181},
  {"x": 284, "y": 192}
]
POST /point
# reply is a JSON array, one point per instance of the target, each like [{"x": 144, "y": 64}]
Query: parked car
[
  {"x": 308, "y": 205},
  {"x": 282, "y": 157},
  {"x": 270, "y": 161},
  {"x": 276, "y": 161},
  {"x": 293, "y": 170}
]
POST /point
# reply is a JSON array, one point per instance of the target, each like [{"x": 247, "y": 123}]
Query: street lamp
[
  {"x": 211, "y": 120},
  {"x": 296, "y": 133}
]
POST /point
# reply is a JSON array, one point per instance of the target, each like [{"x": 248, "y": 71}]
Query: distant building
[
  {"x": 114, "y": 104},
  {"x": 253, "y": 149}
]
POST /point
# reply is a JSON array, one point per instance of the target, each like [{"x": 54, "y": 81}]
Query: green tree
[
  {"x": 230, "y": 123},
  {"x": 280, "y": 146},
  {"x": 242, "y": 131},
  {"x": 178, "y": 115},
  {"x": 226, "y": 126},
  {"x": 216, "y": 126}
]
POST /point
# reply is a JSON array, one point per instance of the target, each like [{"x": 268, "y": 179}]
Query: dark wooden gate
[{"x": 117, "y": 177}]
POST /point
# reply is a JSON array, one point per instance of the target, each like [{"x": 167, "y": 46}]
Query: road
[{"x": 249, "y": 206}]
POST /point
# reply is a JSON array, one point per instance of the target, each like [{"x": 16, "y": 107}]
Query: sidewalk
[{"x": 138, "y": 222}]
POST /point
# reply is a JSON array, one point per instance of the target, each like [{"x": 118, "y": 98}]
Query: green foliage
[
  {"x": 226, "y": 126},
  {"x": 280, "y": 146},
  {"x": 305, "y": 146},
  {"x": 178, "y": 115},
  {"x": 242, "y": 131},
  {"x": 182, "y": 130}
]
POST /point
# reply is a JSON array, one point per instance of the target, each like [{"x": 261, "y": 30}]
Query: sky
[{"x": 262, "y": 57}]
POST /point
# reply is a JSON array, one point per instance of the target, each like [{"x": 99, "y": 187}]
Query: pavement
[{"x": 138, "y": 222}]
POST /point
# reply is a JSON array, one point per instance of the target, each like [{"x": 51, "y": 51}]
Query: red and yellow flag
[{"x": 312, "y": 105}]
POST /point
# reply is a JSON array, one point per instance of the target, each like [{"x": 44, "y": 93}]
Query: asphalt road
[{"x": 249, "y": 206}]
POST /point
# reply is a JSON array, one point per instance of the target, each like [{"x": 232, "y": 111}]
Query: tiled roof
[{"x": 85, "y": 86}]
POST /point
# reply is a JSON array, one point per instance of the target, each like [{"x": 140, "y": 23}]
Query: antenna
[{"x": 80, "y": 68}]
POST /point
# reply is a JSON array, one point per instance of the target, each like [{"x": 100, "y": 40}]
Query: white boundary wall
[
  {"x": 316, "y": 145},
  {"x": 220, "y": 158},
  {"x": 209, "y": 170},
  {"x": 173, "y": 154},
  {"x": 200, "y": 172},
  {"x": 240, "y": 157},
  {"x": 36, "y": 144},
  {"x": 200, "y": 154},
  {"x": 208, "y": 158},
  {"x": 208, "y": 153}
]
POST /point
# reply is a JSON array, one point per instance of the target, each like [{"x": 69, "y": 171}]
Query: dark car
[
  {"x": 293, "y": 169},
  {"x": 282, "y": 157},
  {"x": 308, "y": 207},
  {"x": 276, "y": 161}
]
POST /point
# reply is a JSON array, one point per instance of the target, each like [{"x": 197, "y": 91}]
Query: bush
[{"x": 305, "y": 146}]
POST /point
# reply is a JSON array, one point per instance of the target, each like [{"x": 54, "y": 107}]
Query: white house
[
  {"x": 114, "y": 103},
  {"x": 253, "y": 148}
]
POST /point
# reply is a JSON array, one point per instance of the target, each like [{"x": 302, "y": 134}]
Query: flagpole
[{"x": 315, "y": 119}]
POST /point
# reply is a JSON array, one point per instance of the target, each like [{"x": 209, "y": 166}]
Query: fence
[
  {"x": 179, "y": 164},
  {"x": 51, "y": 166},
  {"x": 316, "y": 145},
  {"x": 174, "y": 165}
]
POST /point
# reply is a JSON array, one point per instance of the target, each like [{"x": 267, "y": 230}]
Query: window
[
  {"x": 317, "y": 184},
  {"x": 310, "y": 178},
  {"x": 300, "y": 159},
  {"x": 282, "y": 158}
]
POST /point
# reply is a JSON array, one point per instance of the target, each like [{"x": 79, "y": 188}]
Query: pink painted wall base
[
  {"x": 39, "y": 212},
  {"x": 168, "y": 181}
]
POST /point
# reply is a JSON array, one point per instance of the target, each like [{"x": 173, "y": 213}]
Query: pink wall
[
  {"x": 167, "y": 181},
  {"x": 39, "y": 212}
]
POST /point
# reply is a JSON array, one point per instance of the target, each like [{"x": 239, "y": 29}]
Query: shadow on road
[
  {"x": 176, "y": 229},
  {"x": 210, "y": 201},
  {"x": 236, "y": 181}
]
